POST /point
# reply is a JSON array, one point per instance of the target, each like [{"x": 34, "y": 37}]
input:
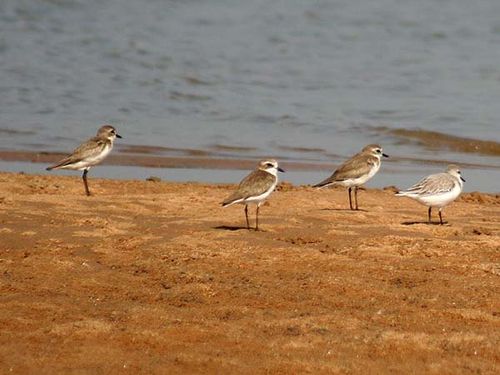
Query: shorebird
[
  {"x": 255, "y": 188},
  {"x": 437, "y": 190},
  {"x": 90, "y": 153},
  {"x": 355, "y": 171}
]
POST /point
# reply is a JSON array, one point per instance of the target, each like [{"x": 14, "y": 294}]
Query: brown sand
[{"x": 154, "y": 277}]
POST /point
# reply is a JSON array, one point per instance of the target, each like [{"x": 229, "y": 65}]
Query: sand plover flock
[{"x": 434, "y": 191}]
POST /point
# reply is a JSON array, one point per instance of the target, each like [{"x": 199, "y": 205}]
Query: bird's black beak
[
  {"x": 118, "y": 136},
  {"x": 463, "y": 179},
  {"x": 385, "y": 155},
  {"x": 281, "y": 170}
]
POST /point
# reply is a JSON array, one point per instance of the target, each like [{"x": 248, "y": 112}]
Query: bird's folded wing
[
  {"x": 89, "y": 149},
  {"x": 433, "y": 184},
  {"x": 255, "y": 184},
  {"x": 356, "y": 167}
]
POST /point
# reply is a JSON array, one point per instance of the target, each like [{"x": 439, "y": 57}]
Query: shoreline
[
  {"x": 152, "y": 161},
  {"x": 190, "y": 165},
  {"x": 199, "y": 159}
]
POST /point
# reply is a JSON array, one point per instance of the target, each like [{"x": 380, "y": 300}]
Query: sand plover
[
  {"x": 90, "y": 153},
  {"x": 437, "y": 190},
  {"x": 255, "y": 188},
  {"x": 355, "y": 171}
]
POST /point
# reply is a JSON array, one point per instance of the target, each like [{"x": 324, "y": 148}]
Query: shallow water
[{"x": 298, "y": 80}]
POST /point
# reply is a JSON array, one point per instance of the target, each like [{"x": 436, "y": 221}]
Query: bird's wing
[
  {"x": 91, "y": 148},
  {"x": 255, "y": 184},
  {"x": 434, "y": 184},
  {"x": 355, "y": 167}
]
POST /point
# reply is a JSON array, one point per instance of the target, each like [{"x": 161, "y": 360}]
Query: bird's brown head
[
  {"x": 374, "y": 150},
  {"x": 108, "y": 132},
  {"x": 270, "y": 165}
]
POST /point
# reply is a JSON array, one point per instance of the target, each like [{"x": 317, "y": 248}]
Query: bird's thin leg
[
  {"x": 246, "y": 215},
  {"x": 430, "y": 209},
  {"x": 356, "y": 196},
  {"x": 440, "y": 217},
  {"x": 84, "y": 176},
  {"x": 257, "y": 218},
  {"x": 350, "y": 201}
]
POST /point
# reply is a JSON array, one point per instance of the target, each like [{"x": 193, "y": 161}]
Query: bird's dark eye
[
  {"x": 379, "y": 151},
  {"x": 269, "y": 165}
]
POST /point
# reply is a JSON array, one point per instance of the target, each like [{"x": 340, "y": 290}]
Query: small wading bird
[
  {"x": 356, "y": 171},
  {"x": 436, "y": 190},
  {"x": 255, "y": 188},
  {"x": 90, "y": 153}
]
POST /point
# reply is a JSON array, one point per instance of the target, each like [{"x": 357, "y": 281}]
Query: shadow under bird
[
  {"x": 90, "y": 153},
  {"x": 356, "y": 171},
  {"x": 437, "y": 190},
  {"x": 256, "y": 188}
]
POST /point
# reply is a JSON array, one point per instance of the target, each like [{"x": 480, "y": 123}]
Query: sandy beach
[{"x": 156, "y": 277}]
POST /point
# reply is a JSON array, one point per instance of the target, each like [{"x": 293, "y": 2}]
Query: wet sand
[
  {"x": 156, "y": 277},
  {"x": 143, "y": 159},
  {"x": 164, "y": 157},
  {"x": 440, "y": 141}
]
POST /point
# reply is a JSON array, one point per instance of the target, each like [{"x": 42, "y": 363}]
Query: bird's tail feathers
[
  {"x": 404, "y": 193},
  {"x": 56, "y": 166},
  {"x": 324, "y": 184},
  {"x": 230, "y": 201},
  {"x": 60, "y": 164}
]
